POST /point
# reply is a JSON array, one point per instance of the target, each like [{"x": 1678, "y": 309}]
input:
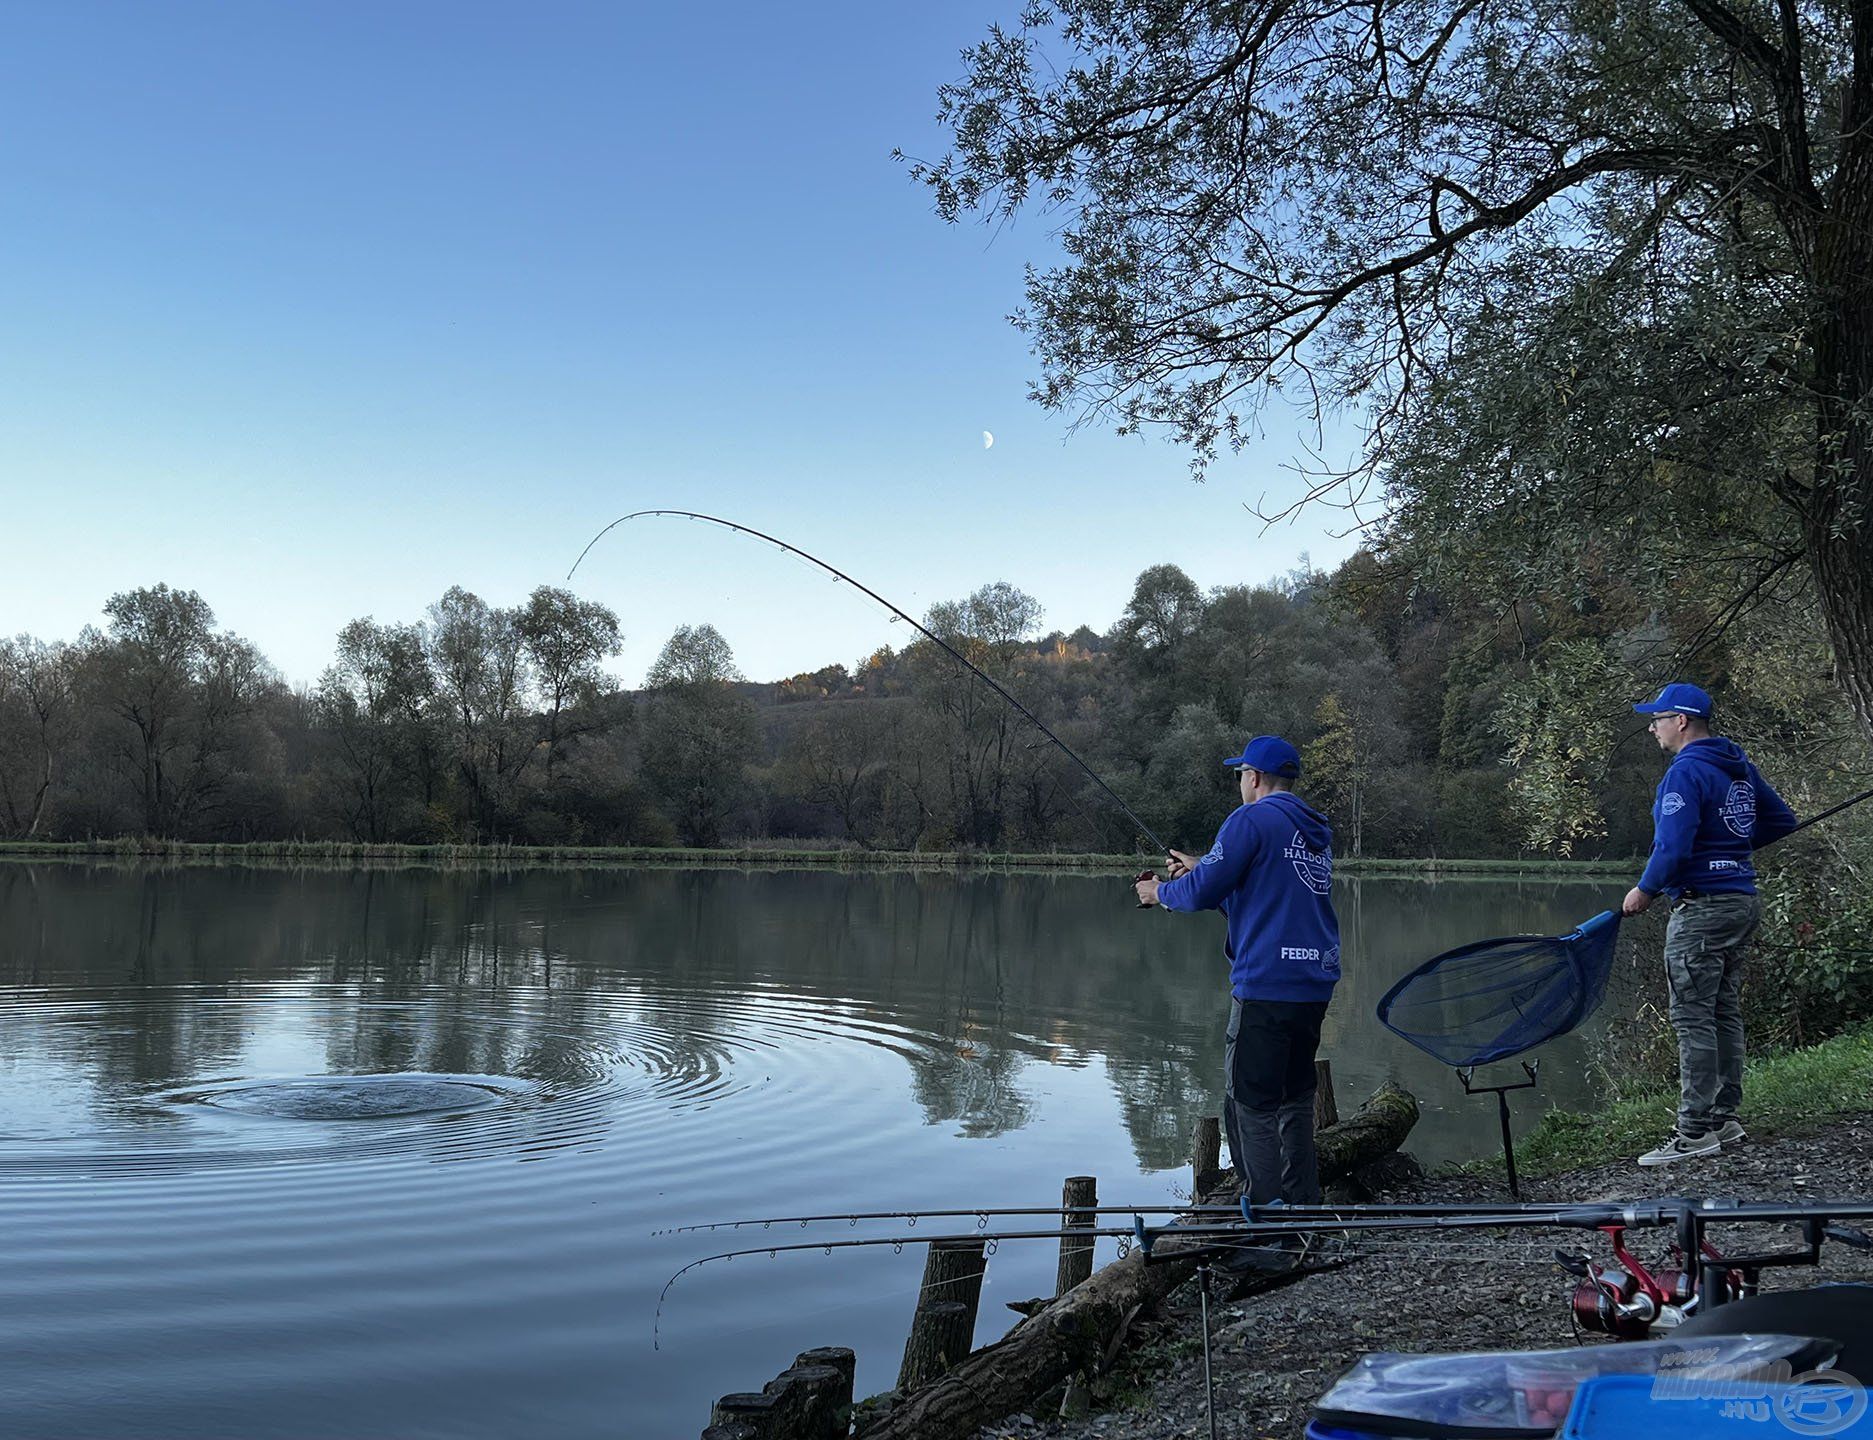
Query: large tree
[
  {"x": 1592, "y": 271},
  {"x": 979, "y": 736},
  {"x": 482, "y": 671},
  {"x": 35, "y": 729},
  {"x": 568, "y": 641},
  {"x": 373, "y": 701},
  {"x": 182, "y": 692},
  {"x": 699, "y": 733}
]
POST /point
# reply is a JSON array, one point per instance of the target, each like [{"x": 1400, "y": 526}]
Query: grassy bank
[
  {"x": 1791, "y": 1092},
  {"x": 790, "y": 855}
]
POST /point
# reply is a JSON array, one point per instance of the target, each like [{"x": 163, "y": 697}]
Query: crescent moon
[{"x": 988, "y": 440}]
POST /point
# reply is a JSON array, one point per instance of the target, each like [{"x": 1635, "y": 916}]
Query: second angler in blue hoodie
[
  {"x": 1712, "y": 810},
  {"x": 1270, "y": 873}
]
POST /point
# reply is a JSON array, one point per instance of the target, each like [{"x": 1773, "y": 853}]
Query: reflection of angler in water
[{"x": 1270, "y": 872}]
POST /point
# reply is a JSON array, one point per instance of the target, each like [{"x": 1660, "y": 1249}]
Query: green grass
[
  {"x": 1560, "y": 869},
  {"x": 1790, "y": 1092},
  {"x": 789, "y": 854}
]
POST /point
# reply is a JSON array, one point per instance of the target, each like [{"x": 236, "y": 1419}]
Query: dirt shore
[{"x": 1275, "y": 1353}]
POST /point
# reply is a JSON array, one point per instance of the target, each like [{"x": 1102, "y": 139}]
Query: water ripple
[{"x": 382, "y": 1077}]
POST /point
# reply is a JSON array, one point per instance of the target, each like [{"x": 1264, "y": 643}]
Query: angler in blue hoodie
[
  {"x": 1270, "y": 873},
  {"x": 1712, "y": 811}
]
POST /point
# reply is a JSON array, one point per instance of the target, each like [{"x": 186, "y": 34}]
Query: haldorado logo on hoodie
[
  {"x": 1315, "y": 869},
  {"x": 1739, "y": 809}
]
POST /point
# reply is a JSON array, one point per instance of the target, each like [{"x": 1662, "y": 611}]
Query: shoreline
[
  {"x": 1276, "y": 1353},
  {"x": 438, "y": 856}
]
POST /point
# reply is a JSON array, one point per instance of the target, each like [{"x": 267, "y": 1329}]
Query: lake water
[{"x": 311, "y": 1153}]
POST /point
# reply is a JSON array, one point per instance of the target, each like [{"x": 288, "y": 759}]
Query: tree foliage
[{"x": 1596, "y": 274}]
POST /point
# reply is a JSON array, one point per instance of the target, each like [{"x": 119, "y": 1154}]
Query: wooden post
[
  {"x": 1076, "y": 1255},
  {"x": 942, "y": 1330},
  {"x": 1326, "y": 1108},
  {"x": 1206, "y": 1151},
  {"x": 750, "y": 1416},
  {"x": 808, "y": 1401}
]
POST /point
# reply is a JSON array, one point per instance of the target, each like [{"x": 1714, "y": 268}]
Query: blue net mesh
[{"x": 1496, "y": 998}]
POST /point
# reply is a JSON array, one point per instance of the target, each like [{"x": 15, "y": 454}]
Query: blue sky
[{"x": 320, "y": 310}]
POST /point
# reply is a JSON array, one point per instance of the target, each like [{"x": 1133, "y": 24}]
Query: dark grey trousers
[
  {"x": 1705, "y": 943},
  {"x": 1268, "y": 1056}
]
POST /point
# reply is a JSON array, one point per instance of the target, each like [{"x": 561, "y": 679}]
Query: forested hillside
[{"x": 1430, "y": 726}]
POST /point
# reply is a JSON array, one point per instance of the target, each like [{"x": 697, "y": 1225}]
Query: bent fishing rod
[{"x": 921, "y": 629}]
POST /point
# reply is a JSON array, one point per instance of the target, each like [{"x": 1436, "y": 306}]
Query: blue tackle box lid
[{"x": 1618, "y": 1407}]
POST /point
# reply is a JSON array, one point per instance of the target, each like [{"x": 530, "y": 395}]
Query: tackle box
[
  {"x": 1527, "y": 1395},
  {"x": 1616, "y": 1407}
]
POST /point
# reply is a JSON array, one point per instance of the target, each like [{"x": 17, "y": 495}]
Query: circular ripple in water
[
  {"x": 160, "y": 1080},
  {"x": 351, "y": 1097}
]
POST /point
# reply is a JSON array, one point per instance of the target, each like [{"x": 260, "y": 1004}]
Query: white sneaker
[
  {"x": 1682, "y": 1147},
  {"x": 1731, "y": 1132}
]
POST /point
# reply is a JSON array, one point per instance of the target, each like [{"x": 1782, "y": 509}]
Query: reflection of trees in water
[
  {"x": 1160, "y": 1102},
  {"x": 557, "y": 974},
  {"x": 967, "y": 978}
]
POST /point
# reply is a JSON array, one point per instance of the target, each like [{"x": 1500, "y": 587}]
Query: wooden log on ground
[
  {"x": 1072, "y": 1334},
  {"x": 1379, "y": 1128},
  {"x": 952, "y": 1274},
  {"x": 1206, "y": 1150},
  {"x": 1077, "y": 1196}
]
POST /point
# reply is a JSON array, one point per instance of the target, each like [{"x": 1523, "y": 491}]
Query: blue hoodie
[
  {"x": 1713, "y": 809},
  {"x": 1269, "y": 873}
]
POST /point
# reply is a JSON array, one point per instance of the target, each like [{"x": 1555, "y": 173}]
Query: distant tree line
[{"x": 1428, "y": 727}]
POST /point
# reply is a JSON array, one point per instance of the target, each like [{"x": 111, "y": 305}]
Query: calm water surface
[{"x": 355, "y": 1153}]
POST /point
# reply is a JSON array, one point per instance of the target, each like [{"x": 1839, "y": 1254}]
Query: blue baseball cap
[
  {"x": 1678, "y": 698},
  {"x": 1270, "y": 754}
]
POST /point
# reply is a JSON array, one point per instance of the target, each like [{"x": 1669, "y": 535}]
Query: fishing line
[{"x": 928, "y": 634}]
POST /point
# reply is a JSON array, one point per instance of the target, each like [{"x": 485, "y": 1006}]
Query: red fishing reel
[
  {"x": 1627, "y": 1301},
  {"x": 1145, "y": 875}
]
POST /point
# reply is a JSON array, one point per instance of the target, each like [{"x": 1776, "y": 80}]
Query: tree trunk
[
  {"x": 1837, "y": 512},
  {"x": 1843, "y": 572}
]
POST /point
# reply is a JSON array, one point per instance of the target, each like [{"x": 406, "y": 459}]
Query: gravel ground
[{"x": 1275, "y": 1353}]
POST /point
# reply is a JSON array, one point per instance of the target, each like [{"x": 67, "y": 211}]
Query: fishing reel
[
  {"x": 1627, "y": 1301},
  {"x": 1612, "y": 1300}
]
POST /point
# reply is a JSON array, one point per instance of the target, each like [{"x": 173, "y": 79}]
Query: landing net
[{"x": 1496, "y": 998}]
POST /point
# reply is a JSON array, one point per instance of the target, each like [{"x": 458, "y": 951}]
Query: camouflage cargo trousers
[{"x": 1705, "y": 944}]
